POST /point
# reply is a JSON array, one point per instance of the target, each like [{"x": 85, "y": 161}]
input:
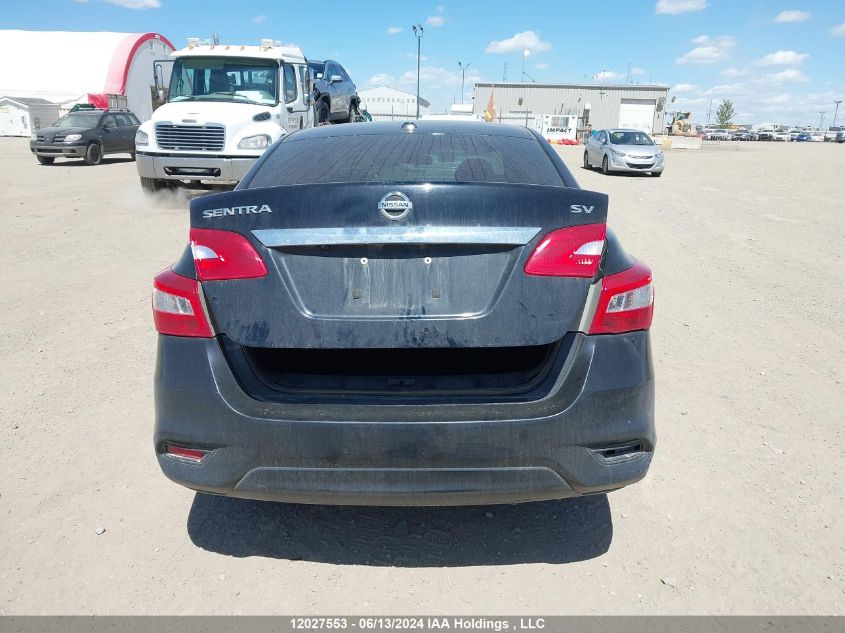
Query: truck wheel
[
  {"x": 153, "y": 185},
  {"x": 322, "y": 114},
  {"x": 94, "y": 154},
  {"x": 45, "y": 160}
]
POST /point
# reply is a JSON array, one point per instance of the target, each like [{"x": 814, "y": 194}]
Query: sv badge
[{"x": 580, "y": 208}]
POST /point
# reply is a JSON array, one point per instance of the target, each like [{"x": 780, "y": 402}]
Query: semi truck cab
[{"x": 224, "y": 106}]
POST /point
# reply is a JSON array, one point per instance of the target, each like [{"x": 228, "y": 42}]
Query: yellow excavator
[{"x": 680, "y": 124}]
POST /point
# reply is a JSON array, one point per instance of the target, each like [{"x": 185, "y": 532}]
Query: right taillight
[
  {"x": 177, "y": 309},
  {"x": 574, "y": 251},
  {"x": 626, "y": 302}
]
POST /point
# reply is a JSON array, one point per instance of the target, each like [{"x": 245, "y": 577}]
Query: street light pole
[
  {"x": 463, "y": 72},
  {"x": 525, "y": 53},
  {"x": 821, "y": 121},
  {"x": 836, "y": 111},
  {"x": 418, "y": 33}
]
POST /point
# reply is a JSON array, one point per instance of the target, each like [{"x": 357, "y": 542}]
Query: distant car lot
[{"x": 749, "y": 406}]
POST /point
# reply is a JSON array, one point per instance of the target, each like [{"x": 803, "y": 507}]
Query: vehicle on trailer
[
  {"x": 817, "y": 137},
  {"x": 86, "y": 133},
  {"x": 831, "y": 133},
  {"x": 225, "y": 106},
  {"x": 451, "y": 323},
  {"x": 621, "y": 150},
  {"x": 334, "y": 95},
  {"x": 803, "y": 137},
  {"x": 840, "y": 136}
]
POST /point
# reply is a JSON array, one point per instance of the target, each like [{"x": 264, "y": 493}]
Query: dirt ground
[{"x": 741, "y": 513}]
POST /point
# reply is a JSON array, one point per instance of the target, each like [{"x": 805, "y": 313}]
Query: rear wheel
[
  {"x": 94, "y": 154},
  {"x": 323, "y": 113},
  {"x": 587, "y": 161},
  {"x": 604, "y": 169},
  {"x": 45, "y": 160}
]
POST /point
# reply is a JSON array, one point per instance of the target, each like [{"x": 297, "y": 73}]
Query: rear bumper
[
  {"x": 212, "y": 168},
  {"x": 432, "y": 454},
  {"x": 58, "y": 150}
]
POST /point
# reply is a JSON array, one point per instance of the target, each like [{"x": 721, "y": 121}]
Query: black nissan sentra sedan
[{"x": 425, "y": 313}]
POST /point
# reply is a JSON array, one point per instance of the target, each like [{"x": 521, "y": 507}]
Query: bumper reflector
[{"x": 182, "y": 452}]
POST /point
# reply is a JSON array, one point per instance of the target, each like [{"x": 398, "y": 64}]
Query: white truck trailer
[{"x": 224, "y": 106}]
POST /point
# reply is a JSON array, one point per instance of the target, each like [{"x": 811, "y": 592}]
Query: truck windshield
[{"x": 224, "y": 79}]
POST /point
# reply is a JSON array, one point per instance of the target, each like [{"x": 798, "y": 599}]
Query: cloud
[
  {"x": 526, "y": 40},
  {"x": 709, "y": 51},
  {"x": 785, "y": 17},
  {"x": 541, "y": 66},
  {"x": 838, "y": 30},
  {"x": 413, "y": 56},
  {"x": 393, "y": 30},
  {"x": 790, "y": 74},
  {"x": 607, "y": 75},
  {"x": 381, "y": 79},
  {"x": 434, "y": 77},
  {"x": 684, "y": 88},
  {"x": 136, "y": 4},
  {"x": 637, "y": 71},
  {"x": 783, "y": 58},
  {"x": 733, "y": 72},
  {"x": 260, "y": 19},
  {"x": 675, "y": 7},
  {"x": 437, "y": 19}
]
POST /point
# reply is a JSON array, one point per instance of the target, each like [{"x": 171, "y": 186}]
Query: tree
[{"x": 725, "y": 113}]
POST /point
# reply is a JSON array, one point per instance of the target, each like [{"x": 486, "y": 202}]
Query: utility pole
[
  {"x": 418, "y": 33},
  {"x": 835, "y": 112},
  {"x": 821, "y": 121},
  {"x": 525, "y": 54},
  {"x": 709, "y": 110},
  {"x": 463, "y": 72}
]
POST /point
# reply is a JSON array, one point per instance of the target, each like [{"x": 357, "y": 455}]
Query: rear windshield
[{"x": 407, "y": 158}]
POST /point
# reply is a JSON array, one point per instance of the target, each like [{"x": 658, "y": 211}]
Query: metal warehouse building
[
  {"x": 631, "y": 105},
  {"x": 100, "y": 68}
]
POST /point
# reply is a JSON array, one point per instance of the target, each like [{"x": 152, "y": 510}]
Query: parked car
[
  {"x": 89, "y": 134},
  {"x": 766, "y": 135},
  {"x": 741, "y": 135},
  {"x": 803, "y": 137},
  {"x": 719, "y": 135},
  {"x": 781, "y": 136},
  {"x": 817, "y": 137},
  {"x": 831, "y": 133},
  {"x": 625, "y": 151},
  {"x": 379, "y": 347},
  {"x": 334, "y": 95},
  {"x": 840, "y": 137}
]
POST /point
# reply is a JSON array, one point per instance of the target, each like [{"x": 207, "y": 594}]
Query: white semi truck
[{"x": 224, "y": 106}]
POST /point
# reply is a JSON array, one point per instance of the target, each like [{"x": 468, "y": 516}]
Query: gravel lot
[{"x": 742, "y": 512}]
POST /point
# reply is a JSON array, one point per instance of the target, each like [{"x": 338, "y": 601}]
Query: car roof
[
  {"x": 624, "y": 129},
  {"x": 468, "y": 128}
]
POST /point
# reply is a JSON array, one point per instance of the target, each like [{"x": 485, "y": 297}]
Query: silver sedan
[{"x": 623, "y": 150}]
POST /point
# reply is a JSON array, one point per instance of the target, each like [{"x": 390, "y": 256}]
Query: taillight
[
  {"x": 176, "y": 306},
  {"x": 220, "y": 255},
  {"x": 183, "y": 452},
  {"x": 626, "y": 302},
  {"x": 571, "y": 252}
]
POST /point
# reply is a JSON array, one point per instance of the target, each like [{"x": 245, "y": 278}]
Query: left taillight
[
  {"x": 177, "y": 309},
  {"x": 626, "y": 302},
  {"x": 220, "y": 255}
]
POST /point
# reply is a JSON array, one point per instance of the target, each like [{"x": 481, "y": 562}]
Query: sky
[{"x": 779, "y": 61}]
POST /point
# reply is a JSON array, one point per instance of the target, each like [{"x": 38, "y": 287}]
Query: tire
[
  {"x": 132, "y": 155},
  {"x": 587, "y": 161},
  {"x": 322, "y": 113},
  {"x": 94, "y": 154},
  {"x": 604, "y": 169},
  {"x": 45, "y": 160},
  {"x": 152, "y": 185}
]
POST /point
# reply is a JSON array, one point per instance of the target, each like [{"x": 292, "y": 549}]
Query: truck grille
[{"x": 190, "y": 137}]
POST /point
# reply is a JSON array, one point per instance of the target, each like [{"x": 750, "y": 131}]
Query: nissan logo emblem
[{"x": 395, "y": 205}]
